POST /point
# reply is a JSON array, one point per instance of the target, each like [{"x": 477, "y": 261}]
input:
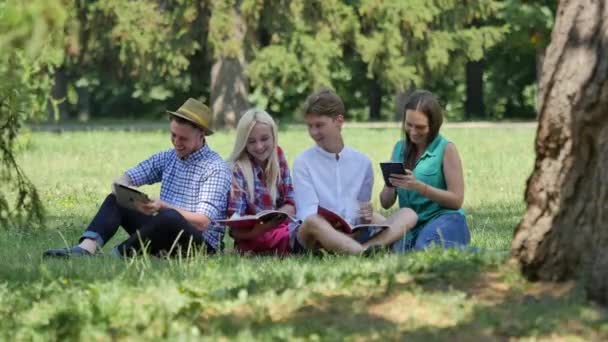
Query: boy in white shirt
[{"x": 338, "y": 178}]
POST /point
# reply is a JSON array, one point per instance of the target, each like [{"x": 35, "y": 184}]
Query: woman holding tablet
[{"x": 433, "y": 183}]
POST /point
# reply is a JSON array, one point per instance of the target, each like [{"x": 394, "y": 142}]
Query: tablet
[
  {"x": 391, "y": 167},
  {"x": 126, "y": 196}
]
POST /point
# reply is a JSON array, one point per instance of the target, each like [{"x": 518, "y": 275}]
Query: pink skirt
[{"x": 275, "y": 241}]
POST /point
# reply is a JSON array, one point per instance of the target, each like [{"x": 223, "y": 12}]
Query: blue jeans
[{"x": 447, "y": 230}]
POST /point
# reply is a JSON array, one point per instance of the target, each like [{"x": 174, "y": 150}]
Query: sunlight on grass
[{"x": 436, "y": 295}]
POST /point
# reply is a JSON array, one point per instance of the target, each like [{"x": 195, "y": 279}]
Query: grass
[{"x": 435, "y": 295}]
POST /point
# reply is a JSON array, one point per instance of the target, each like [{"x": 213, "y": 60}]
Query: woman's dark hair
[{"x": 425, "y": 102}]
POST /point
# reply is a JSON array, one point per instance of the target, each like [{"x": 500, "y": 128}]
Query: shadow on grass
[
  {"x": 505, "y": 305},
  {"x": 544, "y": 315},
  {"x": 331, "y": 318},
  {"x": 492, "y": 303}
]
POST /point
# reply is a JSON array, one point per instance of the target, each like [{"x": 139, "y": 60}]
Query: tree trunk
[
  {"x": 200, "y": 62},
  {"x": 400, "y": 98},
  {"x": 229, "y": 89},
  {"x": 374, "y": 99},
  {"x": 57, "y": 107},
  {"x": 229, "y": 84},
  {"x": 540, "y": 57},
  {"x": 474, "y": 107},
  {"x": 564, "y": 233},
  {"x": 84, "y": 103}
]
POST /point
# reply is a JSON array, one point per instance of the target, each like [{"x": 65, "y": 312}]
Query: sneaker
[{"x": 74, "y": 251}]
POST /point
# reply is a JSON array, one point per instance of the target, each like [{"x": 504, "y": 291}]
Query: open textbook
[
  {"x": 126, "y": 196},
  {"x": 358, "y": 231},
  {"x": 249, "y": 221}
]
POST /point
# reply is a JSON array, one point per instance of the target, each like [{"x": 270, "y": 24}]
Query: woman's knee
[
  {"x": 409, "y": 214},
  {"x": 404, "y": 219},
  {"x": 446, "y": 231}
]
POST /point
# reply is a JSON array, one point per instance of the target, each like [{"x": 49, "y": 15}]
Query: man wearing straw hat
[{"x": 195, "y": 182}]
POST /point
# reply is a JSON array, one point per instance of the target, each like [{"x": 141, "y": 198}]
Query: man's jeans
[
  {"x": 158, "y": 232},
  {"x": 447, "y": 230}
]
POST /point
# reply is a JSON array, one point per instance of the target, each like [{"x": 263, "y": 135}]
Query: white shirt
[{"x": 338, "y": 184}]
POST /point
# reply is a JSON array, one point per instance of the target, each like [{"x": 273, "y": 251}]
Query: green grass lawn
[{"x": 434, "y": 295}]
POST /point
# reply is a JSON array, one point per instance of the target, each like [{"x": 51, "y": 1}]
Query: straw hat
[{"x": 197, "y": 113}]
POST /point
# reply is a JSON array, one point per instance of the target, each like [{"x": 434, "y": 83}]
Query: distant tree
[
  {"x": 228, "y": 31},
  {"x": 512, "y": 67},
  {"x": 122, "y": 53},
  {"x": 299, "y": 47},
  {"x": 564, "y": 232},
  {"x": 421, "y": 43},
  {"x": 141, "y": 56},
  {"x": 202, "y": 59},
  {"x": 474, "y": 70},
  {"x": 30, "y": 46}
]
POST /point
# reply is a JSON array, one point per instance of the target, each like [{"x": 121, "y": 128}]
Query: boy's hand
[
  {"x": 149, "y": 208},
  {"x": 366, "y": 212}
]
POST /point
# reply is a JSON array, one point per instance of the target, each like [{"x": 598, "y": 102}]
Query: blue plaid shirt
[{"x": 200, "y": 184}]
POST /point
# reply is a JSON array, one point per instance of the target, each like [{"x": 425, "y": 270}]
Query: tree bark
[
  {"x": 57, "y": 107},
  {"x": 564, "y": 233},
  {"x": 229, "y": 84},
  {"x": 229, "y": 89},
  {"x": 84, "y": 103},
  {"x": 474, "y": 107},
  {"x": 400, "y": 98},
  {"x": 200, "y": 62},
  {"x": 374, "y": 99},
  {"x": 540, "y": 57}
]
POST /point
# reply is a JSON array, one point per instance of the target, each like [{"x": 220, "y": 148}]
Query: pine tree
[{"x": 30, "y": 41}]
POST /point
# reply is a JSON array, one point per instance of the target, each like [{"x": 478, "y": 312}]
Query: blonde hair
[{"x": 239, "y": 157}]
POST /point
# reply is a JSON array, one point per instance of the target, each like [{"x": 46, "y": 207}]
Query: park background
[
  {"x": 121, "y": 64},
  {"x": 132, "y": 60}
]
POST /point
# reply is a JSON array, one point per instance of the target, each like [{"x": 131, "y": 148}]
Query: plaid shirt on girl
[{"x": 241, "y": 204}]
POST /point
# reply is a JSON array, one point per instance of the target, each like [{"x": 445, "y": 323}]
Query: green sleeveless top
[{"x": 429, "y": 170}]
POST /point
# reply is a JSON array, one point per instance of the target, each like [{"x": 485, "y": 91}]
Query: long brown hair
[{"x": 425, "y": 102}]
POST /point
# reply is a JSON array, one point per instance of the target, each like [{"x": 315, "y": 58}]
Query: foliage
[
  {"x": 129, "y": 54},
  {"x": 333, "y": 43},
  {"x": 304, "y": 51},
  {"x": 425, "y": 44},
  {"x": 30, "y": 34},
  {"x": 513, "y": 94},
  {"x": 140, "y": 57}
]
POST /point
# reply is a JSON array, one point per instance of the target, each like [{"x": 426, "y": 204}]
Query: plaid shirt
[
  {"x": 241, "y": 204},
  {"x": 200, "y": 184}
]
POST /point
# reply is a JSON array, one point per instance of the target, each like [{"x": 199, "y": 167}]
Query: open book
[
  {"x": 248, "y": 221},
  {"x": 126, "y": 196},
  {"x": 360, "y": 232}
]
